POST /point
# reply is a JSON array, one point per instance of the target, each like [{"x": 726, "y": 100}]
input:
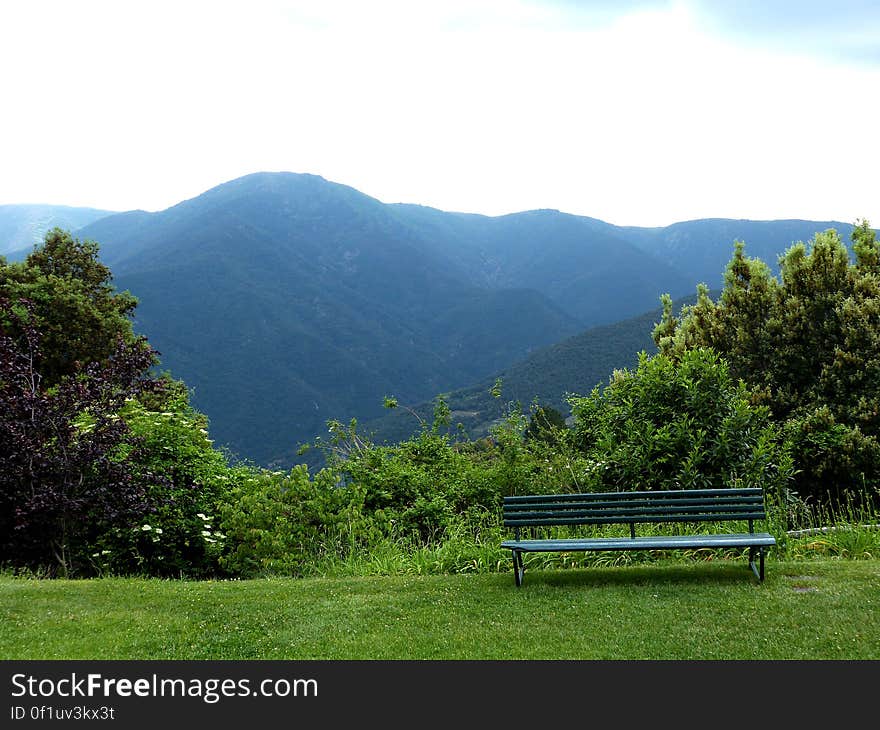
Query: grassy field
[{"x": 817, "y": 609}]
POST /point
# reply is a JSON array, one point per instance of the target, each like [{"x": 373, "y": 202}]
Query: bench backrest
[{"x": 596, "y": 508}]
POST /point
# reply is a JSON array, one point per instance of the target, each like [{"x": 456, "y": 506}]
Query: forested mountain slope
[{"x": 285, "y": 300}]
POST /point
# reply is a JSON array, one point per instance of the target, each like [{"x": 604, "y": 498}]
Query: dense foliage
[
  {"x": 62, "y": 479},
  {"x": 106, "y": 467},
  {"x": 79, "y": 313},
  {"x": 808, "y": 343},
  {"x": 103, "y": 465},
  {"x": 168, "y": 449},
  {"x": 679, "y": 425}
]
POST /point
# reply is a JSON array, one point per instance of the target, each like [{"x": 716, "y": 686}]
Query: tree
[
  {"x": 61, "y": 479},
  {"x": 79, "y": 313},
  {"x": 98, "y": 457},
  {"x": 808, "y": 343}
]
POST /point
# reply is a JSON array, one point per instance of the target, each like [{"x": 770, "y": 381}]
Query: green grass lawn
[{"x": 817, "y": 609}]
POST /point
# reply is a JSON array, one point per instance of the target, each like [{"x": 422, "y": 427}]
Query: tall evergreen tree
[{"x": 809, "y": 343}]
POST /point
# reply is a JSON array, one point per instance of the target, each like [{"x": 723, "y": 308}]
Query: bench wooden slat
[
  {"x": 651, "y": 542},
  {"x": 627, "y": 495},
  {"x": 658, "y": 513},
  {"x": 725, "y": 511},
  {"x": 633, "y": 518},
  {"x": 574, "y": 501},
  {"x": 638, "y": 500}
]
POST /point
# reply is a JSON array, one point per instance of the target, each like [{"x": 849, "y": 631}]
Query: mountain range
[
  {"x": 21, "y": 226},
  {"x": 284, "y": 300}
]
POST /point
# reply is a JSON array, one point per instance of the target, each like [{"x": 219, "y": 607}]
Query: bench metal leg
[
  {"x": 518, "y": 567},
  {"x": 758, "y": 571}
]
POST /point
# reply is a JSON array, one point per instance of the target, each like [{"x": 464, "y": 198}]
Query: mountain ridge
[
  {"x": 313, "y": 301},
  {"x": 284, "y": 300},
  {"x": 23, "y": 225}
]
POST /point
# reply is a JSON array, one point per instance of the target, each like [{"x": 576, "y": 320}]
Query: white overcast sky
[{"x": 638, "y": 113}]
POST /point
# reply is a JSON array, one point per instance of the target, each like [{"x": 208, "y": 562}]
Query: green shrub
[
  {"x": 679, "y": 425},
  {"x": 169, "y": 449},
  {"x": 414, "y": 489},
  {"x": 287, "y": 522},
  {"x": 834, "y": 459},
  {"x": 808, "y": 343}
]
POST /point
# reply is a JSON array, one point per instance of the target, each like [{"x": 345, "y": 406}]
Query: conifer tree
[{"x": 808, "y": 343}]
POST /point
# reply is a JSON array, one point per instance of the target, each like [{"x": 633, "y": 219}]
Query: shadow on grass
[{"x": 699, "y": 574}]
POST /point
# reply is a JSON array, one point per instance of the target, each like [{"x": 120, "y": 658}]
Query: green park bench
[{"x": 530, "y": 512}]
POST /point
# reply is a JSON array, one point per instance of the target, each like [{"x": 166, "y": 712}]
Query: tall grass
[
  {"x": 847, "y": 529},
  {"x": 851, "y": 531}
]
